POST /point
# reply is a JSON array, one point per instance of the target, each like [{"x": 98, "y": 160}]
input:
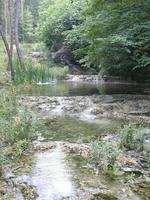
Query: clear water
[
  {"x": 74, "y": 130},
  {"x": 63, "y": 88},
  {"x": 52, "y": 176}
]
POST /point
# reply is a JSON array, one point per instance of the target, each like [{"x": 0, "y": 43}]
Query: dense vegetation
[
  {"x": 109, "y": 36},
  {"x": 16, "y": 129}
]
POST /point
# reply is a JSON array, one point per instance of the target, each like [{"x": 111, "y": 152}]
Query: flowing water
[
  {"x": 52, "y": 176},
  {"x": 57, "y": 176}
]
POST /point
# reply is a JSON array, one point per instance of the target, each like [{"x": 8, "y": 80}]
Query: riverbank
[{"x": 95, "y": 145}]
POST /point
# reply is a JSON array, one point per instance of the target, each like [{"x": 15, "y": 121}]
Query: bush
[
  {"x": 132, "y": 137},
  {"x": 105, "y": 156},
  {"x": 16, "y": 127}
]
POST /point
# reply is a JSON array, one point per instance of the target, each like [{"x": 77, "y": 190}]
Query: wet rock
[
  {"x": 43, "y": 146},
  {"x": 79, "y": 149},
  {"x": 97, "y": 194},
  {"x": 112, "y": 106},
  {"x": 132, "y": 170},
  {"x": 83, "y": 78},
  {"x": 8, "y": 175},
  {"x": 29, "y": 193},
  {"x": 142, "y": 187}
]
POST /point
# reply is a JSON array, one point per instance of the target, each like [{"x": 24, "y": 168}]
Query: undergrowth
[{"x": 16, "y": 127}]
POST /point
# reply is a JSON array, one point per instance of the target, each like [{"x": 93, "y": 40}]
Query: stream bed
[{"x": 70, "y": 117}]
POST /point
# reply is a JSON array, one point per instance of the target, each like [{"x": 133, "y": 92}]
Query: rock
[
  {"x": 43, "y": 146},
  {"x": 141, "y": 186},
  {"x": 79, "y": 149},
  {"x": 62, "y": 55},
  {"x": 8, "y": 175},
  {"x": 83, "y": 78},
  {"x": 132, "y": 170},
  {"x": 94, "y": 107},
  {"x": 100, "y": 194}
]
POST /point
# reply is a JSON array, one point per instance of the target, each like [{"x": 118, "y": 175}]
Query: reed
[{"x": 40, "y": 73}]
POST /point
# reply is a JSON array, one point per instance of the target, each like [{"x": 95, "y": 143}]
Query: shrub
[
  {"x": 105, "y": 156},
  {"x": 132, "y": 137},
  {"x": 16, "y": 127}
]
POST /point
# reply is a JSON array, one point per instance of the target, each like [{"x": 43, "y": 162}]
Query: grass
[
  {"x": 132, "y": 138},
  {"x": 37, "y": 70},
  {"x": 40, "y": 73}
]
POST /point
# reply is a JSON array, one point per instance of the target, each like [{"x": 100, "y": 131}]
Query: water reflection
[{"x": 82, "y": 89}]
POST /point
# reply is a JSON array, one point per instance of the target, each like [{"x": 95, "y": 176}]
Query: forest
[
  {"x": 106, "y": 37},
  {"x": 75, "y": 99}
]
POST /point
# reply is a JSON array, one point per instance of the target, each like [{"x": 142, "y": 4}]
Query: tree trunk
[
  {"x": 11, "y": 24},
  {"x": 8, "y": 54},
  {"x": 16, "y": 22}
]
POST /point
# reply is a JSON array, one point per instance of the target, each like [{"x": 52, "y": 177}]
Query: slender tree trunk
[
  {"x": 16, "y": 22},
  {"x": 8, "y": 54},
  {"x": 11, "y": 24}
]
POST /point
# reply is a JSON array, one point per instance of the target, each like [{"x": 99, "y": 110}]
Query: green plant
[
  {"x": 38, "y": 72},
  {"x": 132, "y": 137},
  {"x": 16, "y": 127},
  {"x": 127, "y": 137},
  {"x": 109, "y": 36},
  {"x": 105, "y": 156},
  {"x": 21, "y": 146},
  {"x": 130, "y": 178}
]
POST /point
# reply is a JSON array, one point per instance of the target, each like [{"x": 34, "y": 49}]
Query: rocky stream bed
[{"x": 57, "y": 168}]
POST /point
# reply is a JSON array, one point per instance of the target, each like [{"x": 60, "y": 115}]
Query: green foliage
[
  {"x": 16, "y": 126},
  {"x": 38, "y": 73},
  {"x": 105, "y": 156},
  {"x": 110, "y": 36},
  {"x": 119, "y": 37},
  {"x": 132, "y": 137},
  {"x": 56, "y": 17},
  {"x": 28, "y": 26},
  {"x": 26, "y": 30}
]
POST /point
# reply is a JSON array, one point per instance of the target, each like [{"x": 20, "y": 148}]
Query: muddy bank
[{"x": 90, "y": 108}]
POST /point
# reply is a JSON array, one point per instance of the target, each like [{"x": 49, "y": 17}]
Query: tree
[
  {"x": 114, "y": 38},
  {"x": 16, "y": 36},
  {"x": 56, "y": 17},
  {"x": 26, "y": 30},
  {"x": 3, "y": 34}
]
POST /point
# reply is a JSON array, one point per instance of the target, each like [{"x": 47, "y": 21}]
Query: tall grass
[{"x": 38, "y": 73}]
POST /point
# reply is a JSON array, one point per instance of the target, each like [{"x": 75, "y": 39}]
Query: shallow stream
[{"x": 57, "y": 175}]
